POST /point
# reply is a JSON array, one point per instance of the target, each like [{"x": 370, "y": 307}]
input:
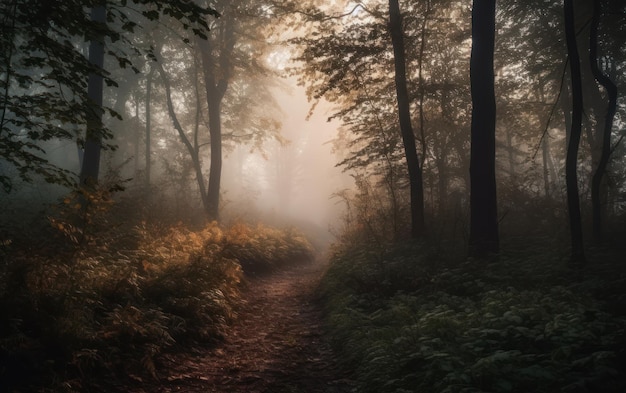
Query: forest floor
[{"x": 276, "y": 345}]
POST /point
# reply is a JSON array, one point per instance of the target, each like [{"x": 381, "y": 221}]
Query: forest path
[{"x": 274, "y": 346}]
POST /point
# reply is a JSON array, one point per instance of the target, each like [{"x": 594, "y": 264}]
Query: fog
[
  {"x": 295, "y": 178},
  {"x": 169, "y": 173},
  {"x": 279, "y": 160},
  {"x": 279, "y": 164}
]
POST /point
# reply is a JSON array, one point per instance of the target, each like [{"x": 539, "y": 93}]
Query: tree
[
  {"x": 611, "y": 90},
  {"x": 404, "y": 113},
  {"x": 484, "y": 237},
  {"x": 191, "y": 144},
  {"x": 93, "y": 136},
  {"x": 44, "y": 87},
  {"x": 573, "y": 203},
  {"x": 148, "y": 143},
  {"x": 235, "y": 105},
  {"x": 46, "y": 77},
  {"x": 217, "y": 75},
  {"x": 363, "y": 60}
]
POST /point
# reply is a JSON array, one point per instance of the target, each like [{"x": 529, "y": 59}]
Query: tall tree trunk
[
  {"x": 545, "y": 156},
  {"x": 215, "y": 171},
  {"x": 9, "y": 39},
  {"x": 216, "y": 81},
  {"x": 511, "y": 156},
  {"x": 611, "y": 90},
  {"x": 137, "y": 137},
  {"x": 406, "y": 129},
  {"x": 192, "y": 148},
  {"x": 93, "y": 138},
  {"x": 420, "y": 75},
  {"x": 484, "y": 238},
  {"x": 571, "y": 176},
  {"x": 549, "y": 175},
  {"x": 149, "y": 128},
  {"x": 442, "y": 186}
]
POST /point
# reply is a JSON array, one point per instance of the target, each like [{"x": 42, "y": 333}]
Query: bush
[
  {"x": 263, "y": 249},
  {"x": 110, "y": 300},
  {"x": 520, "y": 324}
]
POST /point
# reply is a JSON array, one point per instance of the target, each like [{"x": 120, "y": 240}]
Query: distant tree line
[{"x": 152, "y": 82}]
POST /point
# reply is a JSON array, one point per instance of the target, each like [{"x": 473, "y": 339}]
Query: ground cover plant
[
  {"x": 106, "y": 298},
  {"x": 409, "y": 320}
]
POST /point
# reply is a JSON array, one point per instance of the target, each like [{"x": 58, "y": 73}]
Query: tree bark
[
  {"x": 216, "y": 81},
  {"x": 571, "y": 176},
  {"x": 149, "y": 128},
  {"x": 137, "y": 138},
  {"x": 406, "y": 129},
  {"x": 545, "y": 156},
  {"x": 611, "y": 90},
  {"x": 484, "y": 238},
  {"x": 93, "y": 138},
  {"x": 215, "y": 171},
  {"x": 421, "y": 87},
  {"x": 192, "y": 148}
]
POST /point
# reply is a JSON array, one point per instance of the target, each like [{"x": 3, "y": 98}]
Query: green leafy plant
[{"x": 520, "y": 324}]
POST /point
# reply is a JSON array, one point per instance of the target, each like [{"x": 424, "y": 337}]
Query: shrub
[
  {"x": 111, "y": 299},
  {"x": 520, "y": 324},
  {"x": 263, "y": 249}
]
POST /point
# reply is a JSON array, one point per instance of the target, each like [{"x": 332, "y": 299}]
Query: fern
[{"x": 516, "y": 325}]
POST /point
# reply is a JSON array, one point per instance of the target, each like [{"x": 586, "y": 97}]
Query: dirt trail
[{"x": 275, "y": 345}]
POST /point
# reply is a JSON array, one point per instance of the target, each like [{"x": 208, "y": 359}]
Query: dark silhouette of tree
[
  {"x": 352, "y": 61},
  {"x": 571, "y": 177},
  {"x": 227, "y": 54},
  {"x": 148, "y": 136},
  {"x": 404, "y": 113},
  {"x": 217, "y": 76},
  {"x": 611, "y": 90},
  {"x": 95, "y": 89},
  {"x": 484, "y": 237}
]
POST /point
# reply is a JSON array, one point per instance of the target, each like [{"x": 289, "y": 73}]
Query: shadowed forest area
[{"x": 312, "y": 196}]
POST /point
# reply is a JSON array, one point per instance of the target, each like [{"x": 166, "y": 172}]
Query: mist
[
  {"x": 290, "y": 180},
  {"x": 313, "y": 196}
]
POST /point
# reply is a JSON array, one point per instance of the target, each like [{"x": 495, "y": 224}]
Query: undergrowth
[
  {"x": 101, "y": 300},
  {"x": 262, "y": 249},
  {"x": 407, "y": 320}
]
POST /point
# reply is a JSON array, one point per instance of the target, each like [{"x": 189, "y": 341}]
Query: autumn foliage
[{"x": 102, "y": 297}]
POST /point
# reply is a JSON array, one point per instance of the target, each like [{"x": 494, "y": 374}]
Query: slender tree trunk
[
  {"x": 511, "y": 156},
  {"x": 442, "y": 186},
  {"x": 215, "y": 172},
  {"x": 611, "y": 90},
  {"x": 93, "y": 138},
  {"x": 137, "y": 132},
  {"x": 149, "y": 128},
  {"x": 420, "y": 72},
  {"x": 406, "y": 129},
  {"x": 192, "y": 148},
  {"x": 571, "y": 176},
  {"x": 484, "y": 238},
  {"x": 216, "y": 80},
  {"x": 545, "y": 156},
  {"x": 10, "y": 40},
  {"x": 549, "y": 176}
]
